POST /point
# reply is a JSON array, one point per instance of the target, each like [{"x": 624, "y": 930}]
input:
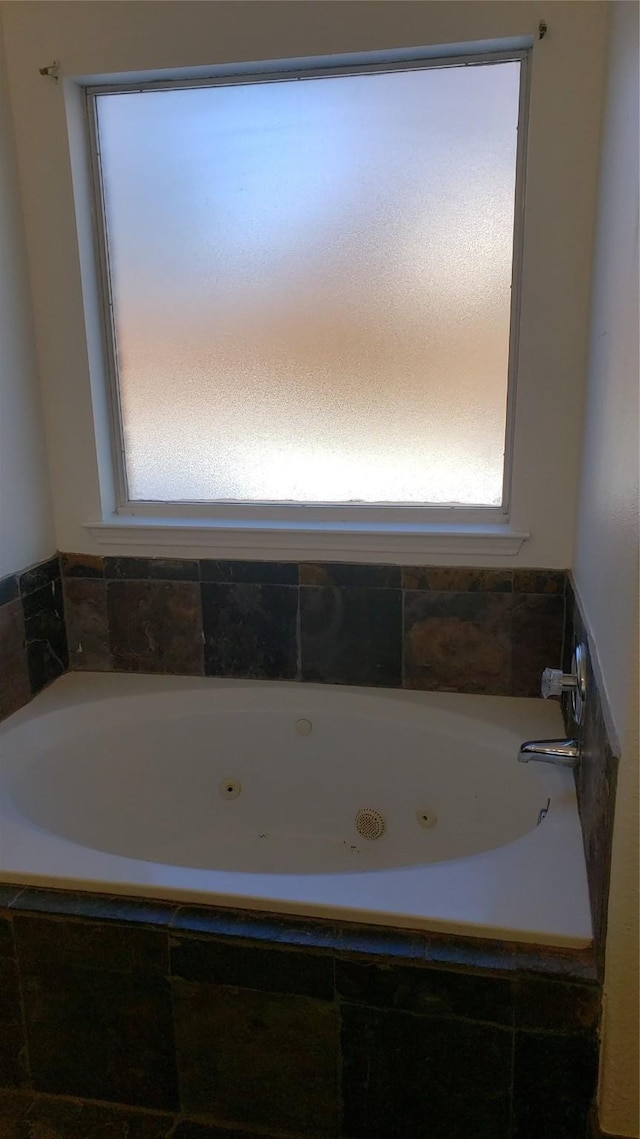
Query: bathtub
[{"x": 398, "y": 808}]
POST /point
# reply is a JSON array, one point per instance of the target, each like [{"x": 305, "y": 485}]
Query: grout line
[
  {"x": 168, "y": 1116},
  {"x": 428, "y": 1017},
  {"x": 402, "y": 633},
  {"x": 512, "y": 1079},
  {"x": 21, "y": 891},
  {"x": 299, "y": 675},
  {"x": 174, "y": 1031},
  {"x": 340, "y": 1097},
  {"x": 202, "y": 638},
  {"x": 23, "y": 1012}
]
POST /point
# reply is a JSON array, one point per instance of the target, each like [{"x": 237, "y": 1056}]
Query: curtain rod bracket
[{"x": 51, "y": 72}]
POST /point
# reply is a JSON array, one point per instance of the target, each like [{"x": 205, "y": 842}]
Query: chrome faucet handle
[{"x": 555, "y": 682}]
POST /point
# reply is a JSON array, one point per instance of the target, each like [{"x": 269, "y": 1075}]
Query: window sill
[{"x": 282, "y": 541}]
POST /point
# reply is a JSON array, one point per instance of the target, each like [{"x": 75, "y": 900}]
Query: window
[{"x": 310, "y": 288}]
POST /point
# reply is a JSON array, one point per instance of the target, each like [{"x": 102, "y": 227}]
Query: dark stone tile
[
  {"x": 566, "y": 706},
  {"x": 537, "y": 640},
  {"x": 576, "y": 965},
  {"x": 12, "y": 1056},
  {"x": 155, "y": 626},
  {"x": 15, "y": 688},
  {"x": 555, "y": 1081},
  {"x": 428, "y": 991},
  {"x": 82, "y": 565},
  {"x": 539, "y": 581},
  {"x": 380, "y": 942},
  {"x": 554, "y": 1006},
  {"x": 319, "y": 934},
  {"x": 342, "y": 574},
  {"x": 13, "y": 1108},
  {"x": 351, "y": 635},
  {"x": 257, "y": 1058},
  {"x": 574, "y": 633},
  {"x": 90, "y": 945},
  {"x": 9, "y": 589},
  {"x": 66, "y": 1119},
  {"x": 99, "y": 907},
  {"x": 458, "y": 642},
  {"x": 142, "y": 569},
  {"x": 249, "y": 573},
  {"x": 458, "y": 579},
  {"x": 101, "y": 1035},
  {"x": 39, "y": 576},
  {"x": 253, "y": 967},
  {"x": 596, "y": 780},
  {"x": 45, "y": 635},
  {"x": 175, "y": 569},
  {"x": 7, "y": 946},
  {"x": 406, "y": 1075},
  {"x": 453, "y": 950},
  {"x": 189, "y": 1130},
  {"x": 250, "y": 630},
  {"x": 9, "y": 893},
  {"x": 100, "y": 1123},
  {"x": 53, "y": 1119},
  {"x": 128, "y": 569},
  {"x": 85, "y": 606},
  {"x": 12, "y": 1042},
  {"x": 9, "y": 991}
]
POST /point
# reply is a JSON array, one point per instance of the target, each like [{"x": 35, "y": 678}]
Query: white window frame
[{"x": 372, "y": 529}]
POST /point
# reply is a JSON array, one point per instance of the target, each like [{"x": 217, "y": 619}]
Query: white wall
[
  {"x": 99, "y": 38},
  {"x": 606, "y": 563},
  {"x": 26, "y": 521}
]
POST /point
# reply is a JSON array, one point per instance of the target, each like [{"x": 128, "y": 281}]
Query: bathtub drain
[{"x": 370, "y": 823}]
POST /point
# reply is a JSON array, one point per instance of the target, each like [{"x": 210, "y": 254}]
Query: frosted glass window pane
[{"x": 311, "y": 285}]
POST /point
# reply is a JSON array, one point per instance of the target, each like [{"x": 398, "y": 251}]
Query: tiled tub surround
[
  {"x": 441, "y": 629},
  {"x": 143, "y": 1020},
  {"x": 596, "y": 776},
  {"x": 415, "y": 1034},
  {"x": 33, "y": 643}
]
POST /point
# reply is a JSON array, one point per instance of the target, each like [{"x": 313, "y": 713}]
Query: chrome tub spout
[{"x": 563, "y": 753}]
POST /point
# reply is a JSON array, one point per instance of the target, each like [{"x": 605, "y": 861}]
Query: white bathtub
[{"x": 245, "y": 794}]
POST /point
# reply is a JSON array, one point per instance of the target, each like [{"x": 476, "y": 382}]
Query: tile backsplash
[
  {"x": 33, "y": 640},
  {"x": 446, "y": 629}
]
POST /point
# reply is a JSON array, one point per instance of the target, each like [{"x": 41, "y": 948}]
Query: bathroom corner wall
[
  {"x": 32, "y": 637},
  {"x": 26, "y": 527},
  {"x": 606, "y": 561}
]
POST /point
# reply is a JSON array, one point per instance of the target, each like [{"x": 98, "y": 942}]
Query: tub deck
[{"x": 530, "y": 891}]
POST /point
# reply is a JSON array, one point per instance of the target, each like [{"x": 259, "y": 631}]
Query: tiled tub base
[
  {"x": 126, "y": 1019},
  {"x": 24, "y": 1115}
]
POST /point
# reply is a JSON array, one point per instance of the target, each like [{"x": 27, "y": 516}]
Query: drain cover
[{"x": 370, "y": 823}]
